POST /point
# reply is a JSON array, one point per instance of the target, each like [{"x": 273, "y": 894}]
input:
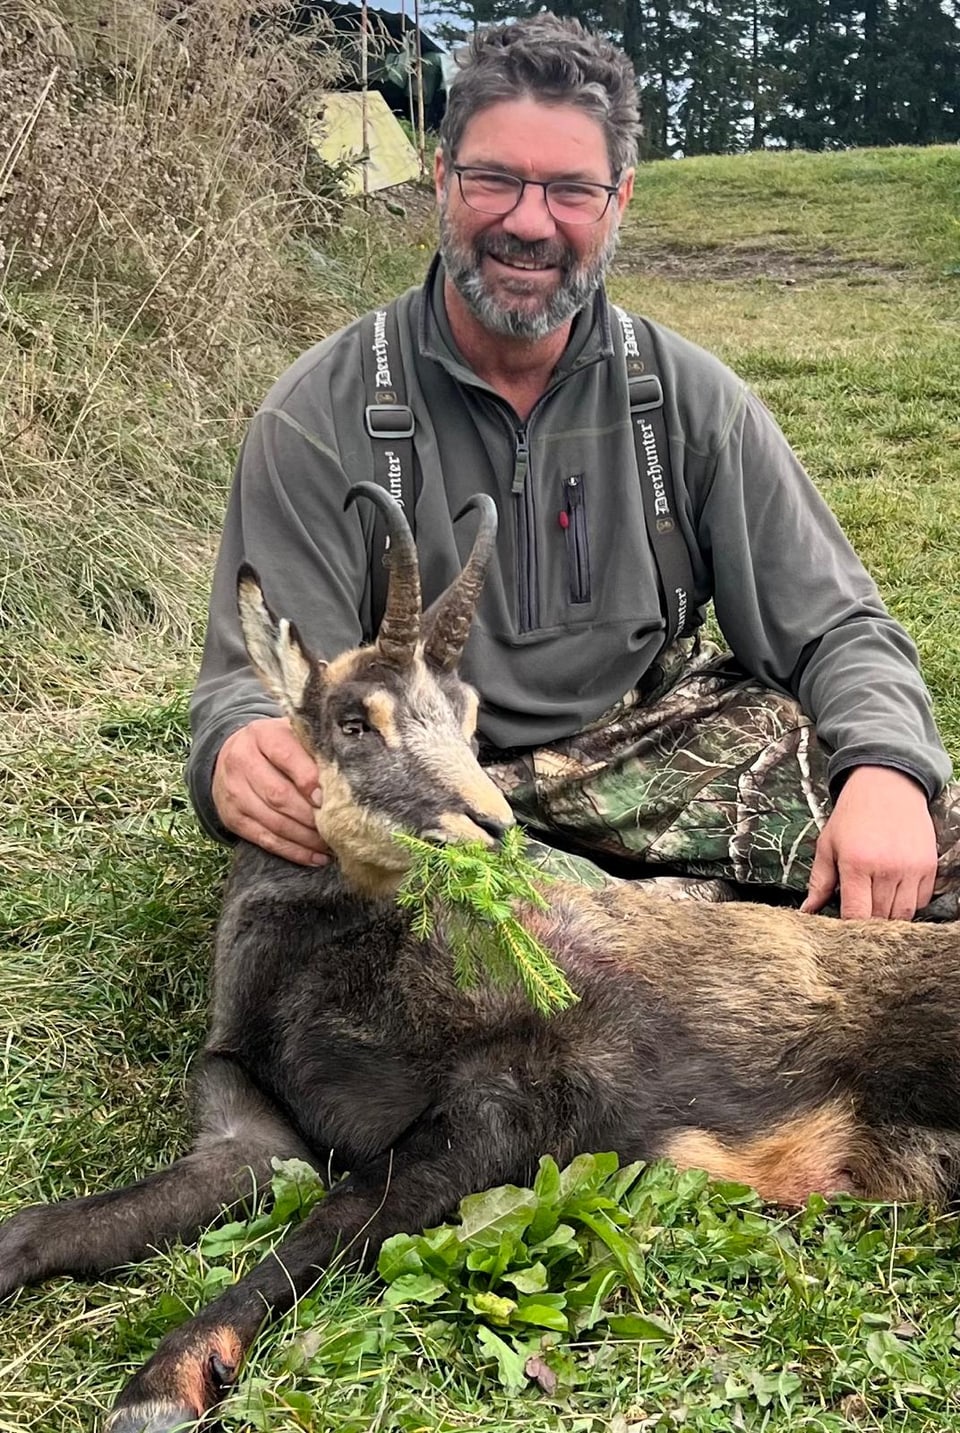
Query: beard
[{"x": 580, "y": 277}]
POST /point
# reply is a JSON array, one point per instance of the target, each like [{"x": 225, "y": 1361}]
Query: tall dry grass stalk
[
  {"x": 160, "y": 152},
  {"x": 157, "y": 198}
]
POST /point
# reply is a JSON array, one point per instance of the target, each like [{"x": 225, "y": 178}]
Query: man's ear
[
  {"x": 439, "y": 174},
  {"x": 625, "y": 191}
]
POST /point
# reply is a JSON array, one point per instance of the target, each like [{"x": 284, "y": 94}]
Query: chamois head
[{"x": 391, "y": 726}]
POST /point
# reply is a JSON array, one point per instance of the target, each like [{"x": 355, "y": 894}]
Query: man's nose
[{"x": 531, "y": 219}]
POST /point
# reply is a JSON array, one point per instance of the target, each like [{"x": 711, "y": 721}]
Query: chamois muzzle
[{"x": 444, "y": 627}]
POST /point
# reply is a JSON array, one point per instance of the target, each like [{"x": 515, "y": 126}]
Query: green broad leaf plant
[{"x": 528, "y": 1270}]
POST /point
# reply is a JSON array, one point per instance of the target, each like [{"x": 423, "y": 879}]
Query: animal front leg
[
  {"x": 443, "y": 1158},
  {"x": 241, "y": 1133}
]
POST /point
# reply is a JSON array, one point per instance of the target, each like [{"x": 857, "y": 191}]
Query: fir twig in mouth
[{"x": 475, "y": 890}]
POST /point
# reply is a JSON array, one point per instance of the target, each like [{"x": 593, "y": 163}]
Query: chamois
[{"x": 787, "y": 1051}]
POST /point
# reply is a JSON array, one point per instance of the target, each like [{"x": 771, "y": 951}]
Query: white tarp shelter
[{"x": 337, "y": 134}]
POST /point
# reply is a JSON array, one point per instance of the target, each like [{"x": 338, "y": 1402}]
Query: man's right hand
[{"x": 265, "y": 789}]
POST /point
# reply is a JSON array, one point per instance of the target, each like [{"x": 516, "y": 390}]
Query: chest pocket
[{"x": 587, "y": 559}]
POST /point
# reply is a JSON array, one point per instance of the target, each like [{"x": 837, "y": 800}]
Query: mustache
[{"x": 549, "y": 252}]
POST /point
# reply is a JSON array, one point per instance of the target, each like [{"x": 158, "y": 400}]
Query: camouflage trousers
[{"x": 701, "y": 771}]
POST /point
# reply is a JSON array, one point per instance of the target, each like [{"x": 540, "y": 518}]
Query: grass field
[{"x": 832, "y": 283}]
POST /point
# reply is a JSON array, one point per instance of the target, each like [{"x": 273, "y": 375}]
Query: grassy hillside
[
  {"x": 132, "y": 352},
  {"x": 831, "y": 283}
]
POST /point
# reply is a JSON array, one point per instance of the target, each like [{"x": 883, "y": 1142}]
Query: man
[{"x": 514, "y": 369}]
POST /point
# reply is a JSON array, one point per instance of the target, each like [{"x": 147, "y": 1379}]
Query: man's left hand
[{"x": 878, "y": 846}]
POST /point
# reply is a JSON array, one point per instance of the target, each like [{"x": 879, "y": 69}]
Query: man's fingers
[
  {"x": 257, "y": 795},
  {"x": 913, "y": 893},
  {"x": 277, "y": 846},
  {"x": 266, "y": 758},
  {"x": 860, "y": 898},
  {"x": 288, "y": 828},
  {"x": 906, "y": 901},
  {"x": 863, "y": 896},
  {"x": 259, "y": 823},
  {"x": 882, "y": 895},
  {"x": 882, "y": 839},
  {"x": 276, "y": 791},
  {"x": 282, "y": 749},
  {"x": 823, "y": 882}
]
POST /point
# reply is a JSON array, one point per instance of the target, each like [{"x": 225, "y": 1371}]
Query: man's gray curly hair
[{"x": 553, "y": 60}]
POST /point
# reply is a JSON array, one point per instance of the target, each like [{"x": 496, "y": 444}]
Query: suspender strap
[
  {"x": 389, "y": 423},
  {"x": 656, "y": 477}
]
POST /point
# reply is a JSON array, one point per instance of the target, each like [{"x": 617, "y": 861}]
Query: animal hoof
[
  {"x": 152, "y": 1418},
  {"x": 179, "y": 1389},
  {"x": 224, "y": 1373}
]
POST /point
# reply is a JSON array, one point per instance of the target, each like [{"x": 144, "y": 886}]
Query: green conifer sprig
[{"x": 474, "y": 889}]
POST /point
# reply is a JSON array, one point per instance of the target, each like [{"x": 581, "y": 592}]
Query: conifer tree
[
  {"x": 813, "y": 45},
  {"x": 716, "y": 76},
  {"x": 924, "y": 87},
  {"x": 712, "y": 110}
]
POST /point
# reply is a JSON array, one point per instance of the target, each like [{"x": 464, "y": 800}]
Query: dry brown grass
[
  {"x": 160, "y": 153},
  {"x": 158, "y": 206}
]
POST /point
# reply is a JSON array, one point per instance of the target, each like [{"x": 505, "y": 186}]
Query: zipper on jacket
[
  {"x": 573, "y": 520},
  {"x": 528, "y": 615},
  {"x": 521, "y": 460}
]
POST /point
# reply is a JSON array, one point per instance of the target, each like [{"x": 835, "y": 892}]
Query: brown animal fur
[{"x": 810, "y": 1152}]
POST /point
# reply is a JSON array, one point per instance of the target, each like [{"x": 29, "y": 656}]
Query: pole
[
  {"x": 364, "y": 117},
  {"x": 408, "y": 55},
  {"x": 421, "y": 128}
]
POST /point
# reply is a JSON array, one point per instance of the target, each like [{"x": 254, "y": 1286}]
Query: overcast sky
[{"x": 427, "y": 21}]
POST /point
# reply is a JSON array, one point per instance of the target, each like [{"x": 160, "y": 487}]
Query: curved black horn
[
  {"x": 446, "y": 623},
  {"x": 400, "y": 624}
]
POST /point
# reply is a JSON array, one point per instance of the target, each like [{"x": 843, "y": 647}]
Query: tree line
[{"x": 721, "y": 76}]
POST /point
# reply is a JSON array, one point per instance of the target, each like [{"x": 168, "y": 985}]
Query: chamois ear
[{"x": 279, "y": 658}]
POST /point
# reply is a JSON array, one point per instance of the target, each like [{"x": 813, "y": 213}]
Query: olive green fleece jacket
[{"x": 564, "y": 627}]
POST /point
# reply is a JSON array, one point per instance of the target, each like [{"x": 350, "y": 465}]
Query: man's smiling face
[{"x": 524, "y": 274}]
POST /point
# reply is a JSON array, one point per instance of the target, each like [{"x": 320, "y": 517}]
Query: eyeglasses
[{"x": 569, "y": 201}]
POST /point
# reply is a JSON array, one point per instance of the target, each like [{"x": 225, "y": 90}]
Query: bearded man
[{"x": 805, "y": 759}]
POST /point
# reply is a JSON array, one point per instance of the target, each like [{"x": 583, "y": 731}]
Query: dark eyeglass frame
[{"x": 545, "y": 184}]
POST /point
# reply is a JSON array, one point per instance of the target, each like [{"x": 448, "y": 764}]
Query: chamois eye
[{"x": 354, "y": 726}]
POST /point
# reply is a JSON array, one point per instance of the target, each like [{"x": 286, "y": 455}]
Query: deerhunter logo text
[
  {"x": 681, "y": 597},
  {"x": 660, "y": 504},
  {"x": 394, "y": 476},
  {"x": 381, "y": 349},
  {"x": 630, "y": 346}
]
